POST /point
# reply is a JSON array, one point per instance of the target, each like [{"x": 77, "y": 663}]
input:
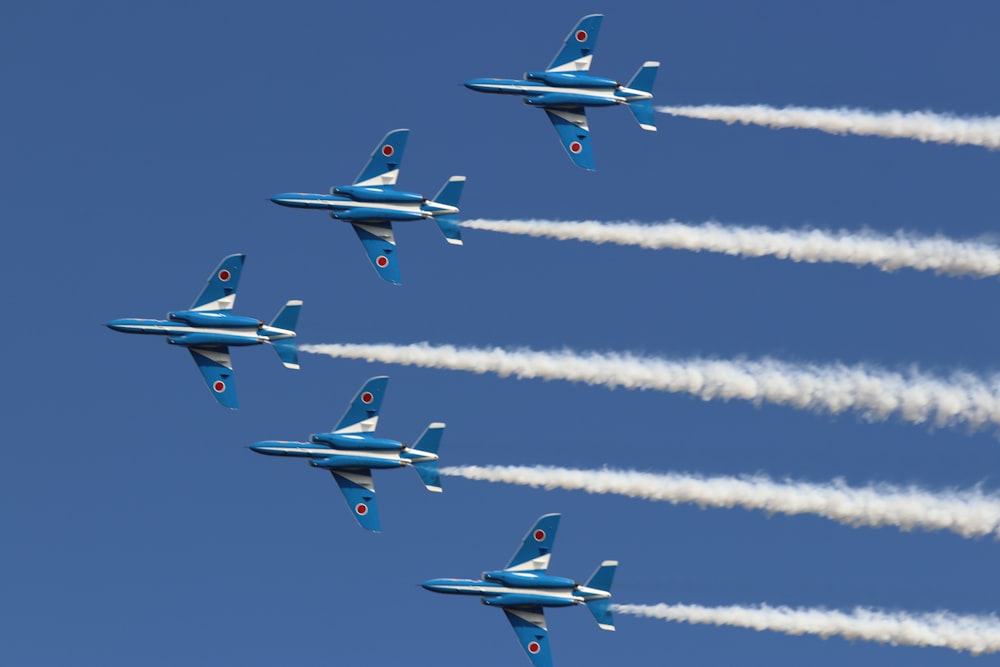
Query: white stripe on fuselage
[
  {"x": 325, "y": 452},
  {"x": 603, "y": 94},
  {"x": 436, "y": 208}
]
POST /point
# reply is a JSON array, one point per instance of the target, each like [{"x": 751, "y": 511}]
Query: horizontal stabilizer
[
  {"x": 429, "y": 442},
  {"x": 287, "y": 319},
  {"x": 601, "y": 580},
  {"x": 448, "y": 224},
  {"x": 644, "y": 114}
]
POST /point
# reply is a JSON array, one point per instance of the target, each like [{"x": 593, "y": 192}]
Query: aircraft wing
[
  {"x": 219, "y": 293},
  {"x": 379, "y": 243},
  {"x": 536, "y": 548},
  {"x": 529, "y": 625},
  {"x": 362, "y": 413},
  {"x": 578, "y": 49},
  {"x": 359, "y": 491},
  {"x": 217, "y": 369},
  {"x": 382, "y": 168},
  {"x": 571, "y": 124}
]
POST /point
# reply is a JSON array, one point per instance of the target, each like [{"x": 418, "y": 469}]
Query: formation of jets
[
  {"x": 351, "y": 450},
  {"x": 371, "y": 204}
]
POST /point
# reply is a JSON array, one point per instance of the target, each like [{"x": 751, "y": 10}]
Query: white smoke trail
[
  {"x": 969, "y": 513},
  {"x": 878, "y": 394},
  {"x": 889, "y": 253},
  {"x": 975, "y": 634},
  {"x": 919, "y": 125}
]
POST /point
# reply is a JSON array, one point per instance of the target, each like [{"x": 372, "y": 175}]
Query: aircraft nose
[
  {"x": 280, "y": 200},
  {"x": 435, "y": 585},
  {"x": 260, "y": 447},
  {"x": 117, "y": 325},
  {"x": 478, "y": 84}
]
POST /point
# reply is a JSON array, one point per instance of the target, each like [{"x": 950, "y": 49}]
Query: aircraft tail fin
[
  {"x": 287, "y": 319},
  {"x": 643, "y": 109},
  {"x": 449, "y": 195},
  {"x": 601, "y": 580},
  {"x": 429, "y": 442}
]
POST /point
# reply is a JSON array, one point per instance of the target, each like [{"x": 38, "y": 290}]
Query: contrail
[
  {"x": 877, "y": 394},
  {"x": 975, "y": 634},
  {"x": 889, "y": 253},
  {"x": 969, "y": 513},
  {"x": 919, "y": 125}
]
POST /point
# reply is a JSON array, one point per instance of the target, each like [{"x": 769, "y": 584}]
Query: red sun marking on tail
[
  {"x": 581, "y": 35},
  {"x": 361, "y": 509},
  {"x": 219, "y": 386},
  {"x": 534, "y": 647},
  {"x": 539, "y": 535},
  {"x": 367, "y": 397},
  {"x": 382, "y": 261},
  {"x": 575, "y": 147},
  {"x": 224, "y": 275},
  {"x": 388, "y": 150}
]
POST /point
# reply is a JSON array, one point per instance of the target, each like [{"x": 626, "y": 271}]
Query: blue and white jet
[
  {"x": 523, "y": 590},
  {"x": 372, "y": 204},
  {"x": 351, "y": 451},
  {"x": 208, "y": 329},
  {"x": 565, "y": 89}
]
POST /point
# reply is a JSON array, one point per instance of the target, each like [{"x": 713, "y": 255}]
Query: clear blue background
[{"x": 138, "y": 145}]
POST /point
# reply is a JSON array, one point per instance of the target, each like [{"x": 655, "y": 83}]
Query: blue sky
[{"x": 139, "y": 144}]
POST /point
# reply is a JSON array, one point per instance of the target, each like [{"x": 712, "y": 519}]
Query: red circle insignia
[
  {"x": 224, "y": 275},
  {"x": 367, "y": 397},
  {"x": 382, "y": 261},
  {"x": 534, "y": 647},
  {"x": 361, "y": 509},
  {"x": 539, "y": 535},
  {"x": 388, "y": 150},
  {"x": 575, "y": 147},
  {"x": 219, "y": 386},
  {"x": 581, "y": 35}
]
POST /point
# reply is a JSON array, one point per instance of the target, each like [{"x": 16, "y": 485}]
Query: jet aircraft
[
  {"x": 209, "y": 329},
  {"x": 523, "y": 590},
  {"x": 351, "y": 451},
  {"x": 565, "y": 89},
  {"x": 372, "y": 204}
]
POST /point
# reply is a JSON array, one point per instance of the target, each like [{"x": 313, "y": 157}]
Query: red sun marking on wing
[
  {"x": 219, "y": 386},
  {"x": 581, "y": 35},
  {"x": 361, "y": 509},
  {"x": 224, "y": 275},
  {"x": 539, "y": 535},
  {"x": 534, "y": 647},
  {"x": 388, "y": 150},
  {"x": 382, "y": 261},
  {"x": 575, "y": 147},
  {"x": 367, "y": 397}
]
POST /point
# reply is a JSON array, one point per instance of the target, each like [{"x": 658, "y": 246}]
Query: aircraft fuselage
[
  {"x": 561, "y": 90},
  {"x": 226, "y": 330},
  {"x": 365, "y": 452},
  {"x": 544, "y": 591},
  {"x": 359, "y": 204}
]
